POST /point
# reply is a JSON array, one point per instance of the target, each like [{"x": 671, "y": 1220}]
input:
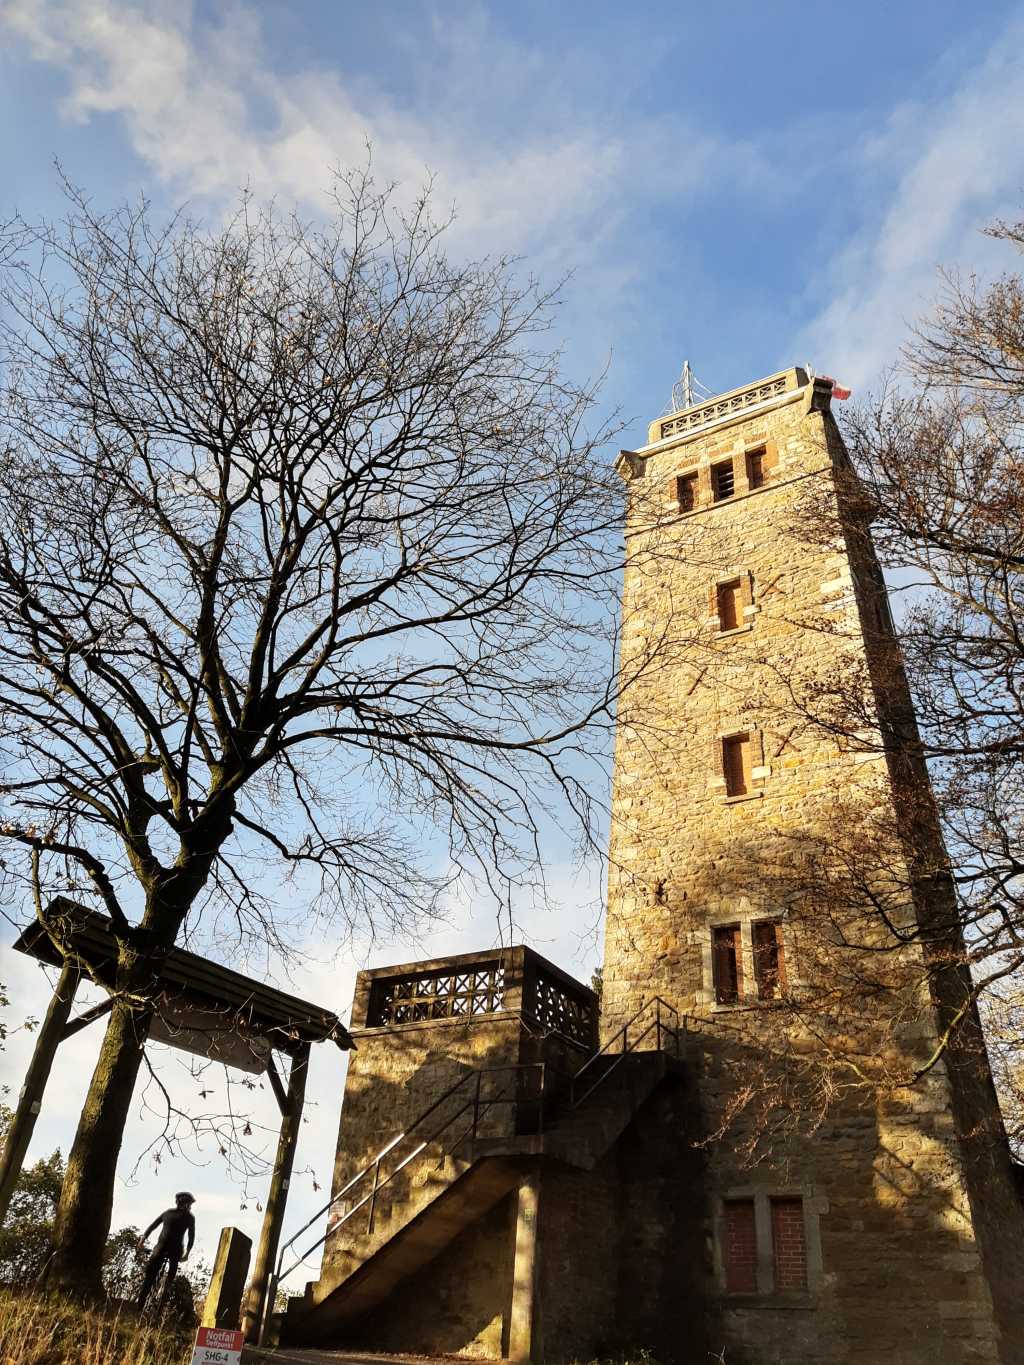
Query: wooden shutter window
[
  {"x": 755, "y": 468},
  {"x": 727, "y": 953},
  {"x": 737, "y": 765},
  {"x": 769, "y": 959},
  {"x": 686, "y": 492},
  {"x": 728, "y": 602},
  {"x": 723, "y": 482}
]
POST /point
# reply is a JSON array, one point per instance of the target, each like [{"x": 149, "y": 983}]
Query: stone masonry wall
[
  {"x": 394, "y": 1075},
  {"x": 459, "y": 1303},
  {"x": 622, "y": 1246},
  {"x": 399, "y": 1071},
  {"x": 993, "y": 1195},
  {"x": 895, "y": 1266}
]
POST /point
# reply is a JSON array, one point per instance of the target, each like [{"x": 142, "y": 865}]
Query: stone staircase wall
[
  {"x": 417, "y": 1186},
  {"x": 430, "y": 1211}
]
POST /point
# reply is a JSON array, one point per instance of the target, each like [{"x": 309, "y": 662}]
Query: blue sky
[{"x": 746, "y": 186}]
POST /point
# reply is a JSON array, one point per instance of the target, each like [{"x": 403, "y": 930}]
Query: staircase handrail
[
  {"x": 658, "y": 1004},
  {"x": 379, "y": 1156},
  {"x": 479, "y": 1105}
]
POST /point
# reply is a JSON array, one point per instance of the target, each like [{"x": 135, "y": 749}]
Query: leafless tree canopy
[
  {"x": 305, "y": 552},
  {"x": 308, "y": 569},
  {"x": 943, "y": 464}
]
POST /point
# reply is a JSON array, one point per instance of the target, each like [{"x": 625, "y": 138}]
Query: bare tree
[
  {"x": 307, "y": 557},
  {"x": 941, "y": 462}
]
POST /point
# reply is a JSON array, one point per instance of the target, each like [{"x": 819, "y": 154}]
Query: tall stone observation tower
[
  {"x": 782, "y": 888},
  {"x": 758, "y": 1147}
]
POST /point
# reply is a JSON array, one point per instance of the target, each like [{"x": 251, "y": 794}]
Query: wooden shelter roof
[{"x": 284, "y": 1019}]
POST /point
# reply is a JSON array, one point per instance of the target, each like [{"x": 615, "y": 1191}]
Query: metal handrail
[
  {"x": 480, "y": 1106},
  {"x": 656, "y": 1024}
]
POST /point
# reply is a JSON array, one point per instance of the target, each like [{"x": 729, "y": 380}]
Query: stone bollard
[{"x": 223, "y": 1304}]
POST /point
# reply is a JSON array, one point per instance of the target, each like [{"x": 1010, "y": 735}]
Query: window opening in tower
[
  {"x": 723, "y": 481},
  {"x": 737, "y": 765},
  {"x": 728, "y": 963},
  {"x": 729, "y": 605}
]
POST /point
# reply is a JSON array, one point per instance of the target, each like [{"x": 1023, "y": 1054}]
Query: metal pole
[
  {"x": 268, "y": 1307},
  {"x": 27, "y": 1109},
  {"x": 270, "y": 1233},
  {"x": 476, "y": 1103}
]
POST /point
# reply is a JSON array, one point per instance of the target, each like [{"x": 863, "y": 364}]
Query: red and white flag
[{"x": 838, "y": 391}]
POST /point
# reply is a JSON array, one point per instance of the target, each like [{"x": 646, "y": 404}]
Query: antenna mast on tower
[{"x": 688, "y": 390}]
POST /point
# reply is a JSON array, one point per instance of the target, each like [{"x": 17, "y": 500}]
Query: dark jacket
[{"x": 175, "y": 1225}]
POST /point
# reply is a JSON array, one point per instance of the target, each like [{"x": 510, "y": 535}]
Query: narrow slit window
[
  {"x": 723, "y": 481},
  {"x": 728, "y": 963},
  {"x": 739, "y": 1248},
  {"x": 686, "y": 492},
  {"x": 789, "y": 1246},
  {"x": 729, "y": 605},
  {"x": 769, "y": 959},
  {"x": 755, "y": 468},
  {"x": 737, "y": 765}
]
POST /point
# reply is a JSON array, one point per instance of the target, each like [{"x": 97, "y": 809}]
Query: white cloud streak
[
  {"x": 205, "y": 107},
  {"x": 959, "y": 163}
]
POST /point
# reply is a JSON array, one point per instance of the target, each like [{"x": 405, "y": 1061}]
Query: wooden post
[
  {"x": 27, "y": 1109},
  {"x": 270, "y": 1233}
]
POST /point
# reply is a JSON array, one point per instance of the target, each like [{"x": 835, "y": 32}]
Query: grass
[{"x": 38, "y": 1330}]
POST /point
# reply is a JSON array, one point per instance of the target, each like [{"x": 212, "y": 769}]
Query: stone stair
[
  {"x": 396, "y": 1206},
  {"x": 450, "y": 1191}
]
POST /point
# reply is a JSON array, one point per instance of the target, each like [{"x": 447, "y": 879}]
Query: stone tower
[
  {"x": 893, "y": 1230},
  {"x": 758, "y": 1153}
]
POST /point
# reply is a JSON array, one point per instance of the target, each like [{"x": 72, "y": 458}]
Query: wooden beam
[
  {"x": 256, "y": 1306},
  {"x": 285, "y": 1019},
  {"x": 274, "y": 1077},
  {"x": 87, "y": 1017},
  {"x": 27, "y": 1109}
]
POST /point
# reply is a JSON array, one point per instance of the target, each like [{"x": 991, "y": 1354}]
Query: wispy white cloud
[
  {"x": 208, "y": 109},
  {"x": 959, "y": 163}
]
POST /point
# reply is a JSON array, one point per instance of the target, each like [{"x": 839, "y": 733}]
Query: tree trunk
[
  {"x": 86, "y": 1198},
  {"x": 82, "y": 1224}
]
